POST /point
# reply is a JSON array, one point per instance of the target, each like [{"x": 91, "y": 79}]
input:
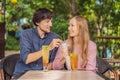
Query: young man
[{"x": 31, "y": 42}]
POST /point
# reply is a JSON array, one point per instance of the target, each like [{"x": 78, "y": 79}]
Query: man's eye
[{"x": 47, "y": 21}]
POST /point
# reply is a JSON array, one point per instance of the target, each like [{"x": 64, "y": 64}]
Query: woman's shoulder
[
  {"x": 91, "y": 43},
  {"x": 92, "y": 48}
]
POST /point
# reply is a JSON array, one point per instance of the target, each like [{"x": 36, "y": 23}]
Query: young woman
[{"x": 78, "y": 42}]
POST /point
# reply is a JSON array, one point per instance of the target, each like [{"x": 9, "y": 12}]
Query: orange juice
[
  {"x": 45, "y": 55},
  {"x": 74, "y": 61},
  {"x": 45, "y": 59}
]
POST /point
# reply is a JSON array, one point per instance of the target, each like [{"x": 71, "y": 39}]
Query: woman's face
[{"x": 73, "y": 28}]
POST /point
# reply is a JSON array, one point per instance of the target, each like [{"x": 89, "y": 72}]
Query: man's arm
[
  {"x": 33, "y": 56},
  {"x": 36, "y": 55}
]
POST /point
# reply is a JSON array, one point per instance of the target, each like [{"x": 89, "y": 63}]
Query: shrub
[
  {"x": 12, "y": 43},
  {"x": 60, "y": 26}
]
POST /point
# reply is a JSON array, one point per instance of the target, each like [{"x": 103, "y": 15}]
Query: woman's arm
[
  {"x": 59, "y": 60},
  {"x": 92, "y": 51}
]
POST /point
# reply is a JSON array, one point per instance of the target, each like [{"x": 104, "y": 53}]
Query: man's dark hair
[{"x": 41, "y": 14}]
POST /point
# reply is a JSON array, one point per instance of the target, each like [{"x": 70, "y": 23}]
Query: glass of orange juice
[
  {"x": 45, "y": 57},
  {"x": 74, "y": 61}
]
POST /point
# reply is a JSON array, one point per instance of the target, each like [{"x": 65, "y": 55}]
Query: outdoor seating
[
  {"x": 7, "y": 66},
  {"x": 1, "y": 74},
  {"x": 103, "y": 66}
]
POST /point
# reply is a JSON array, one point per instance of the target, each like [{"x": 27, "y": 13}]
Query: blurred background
[{"x": 103, "y": 19}]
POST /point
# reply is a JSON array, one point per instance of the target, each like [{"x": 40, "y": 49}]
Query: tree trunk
[
  {"x": 2, "y": 40},
  {"x": 73, "y": 8}
]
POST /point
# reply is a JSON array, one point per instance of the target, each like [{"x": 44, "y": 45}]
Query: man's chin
[{"x": 47, "y": 31}]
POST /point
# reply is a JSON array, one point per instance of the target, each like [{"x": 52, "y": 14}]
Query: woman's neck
[
  {"x": 76, "y": 40},
  {"x": 76, "y": 45}
]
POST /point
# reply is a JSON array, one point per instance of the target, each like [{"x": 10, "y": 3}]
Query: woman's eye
[{"x": 72, "y": 25}]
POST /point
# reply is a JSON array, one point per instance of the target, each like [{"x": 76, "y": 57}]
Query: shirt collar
[{"x": 36, "y": 31}]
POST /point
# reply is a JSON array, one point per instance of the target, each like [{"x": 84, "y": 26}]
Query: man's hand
[{"x": 55, "y": 43}]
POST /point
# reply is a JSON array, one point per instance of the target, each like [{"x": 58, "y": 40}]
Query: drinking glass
[
  {"x": 74, "y": 61},
  {"x": 65, "y": 54},
  {"x": 45, "y": 57},
  {"x": 64, "y": 49}
]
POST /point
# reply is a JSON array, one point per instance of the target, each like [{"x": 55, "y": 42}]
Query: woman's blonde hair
[{"x": 83, "y": 39}]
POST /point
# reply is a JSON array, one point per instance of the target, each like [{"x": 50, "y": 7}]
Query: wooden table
[{"x": 60, "y": 75}]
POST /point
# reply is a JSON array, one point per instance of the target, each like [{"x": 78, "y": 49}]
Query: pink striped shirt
[{"x": 91, "y": 59}]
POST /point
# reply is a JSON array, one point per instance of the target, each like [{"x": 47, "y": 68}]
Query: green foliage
[
  {"x": 23, "y": 9},
  {"x": 99, "y": 12},
  {"x": 103, "y": 17},
  {"x": 60, "y": 26},
  {"x": 12, "y": 43}
]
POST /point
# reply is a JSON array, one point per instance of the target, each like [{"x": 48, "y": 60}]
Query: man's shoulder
[
  {"x": 52, "y": 34},
  {"x": 28, "y": 30}
]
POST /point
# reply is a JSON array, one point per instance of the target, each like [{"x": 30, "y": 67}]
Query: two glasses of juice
[{"x": 71, "y": 60}]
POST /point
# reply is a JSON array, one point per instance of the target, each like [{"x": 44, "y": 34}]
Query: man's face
[{"x": 45, "y": 25}]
